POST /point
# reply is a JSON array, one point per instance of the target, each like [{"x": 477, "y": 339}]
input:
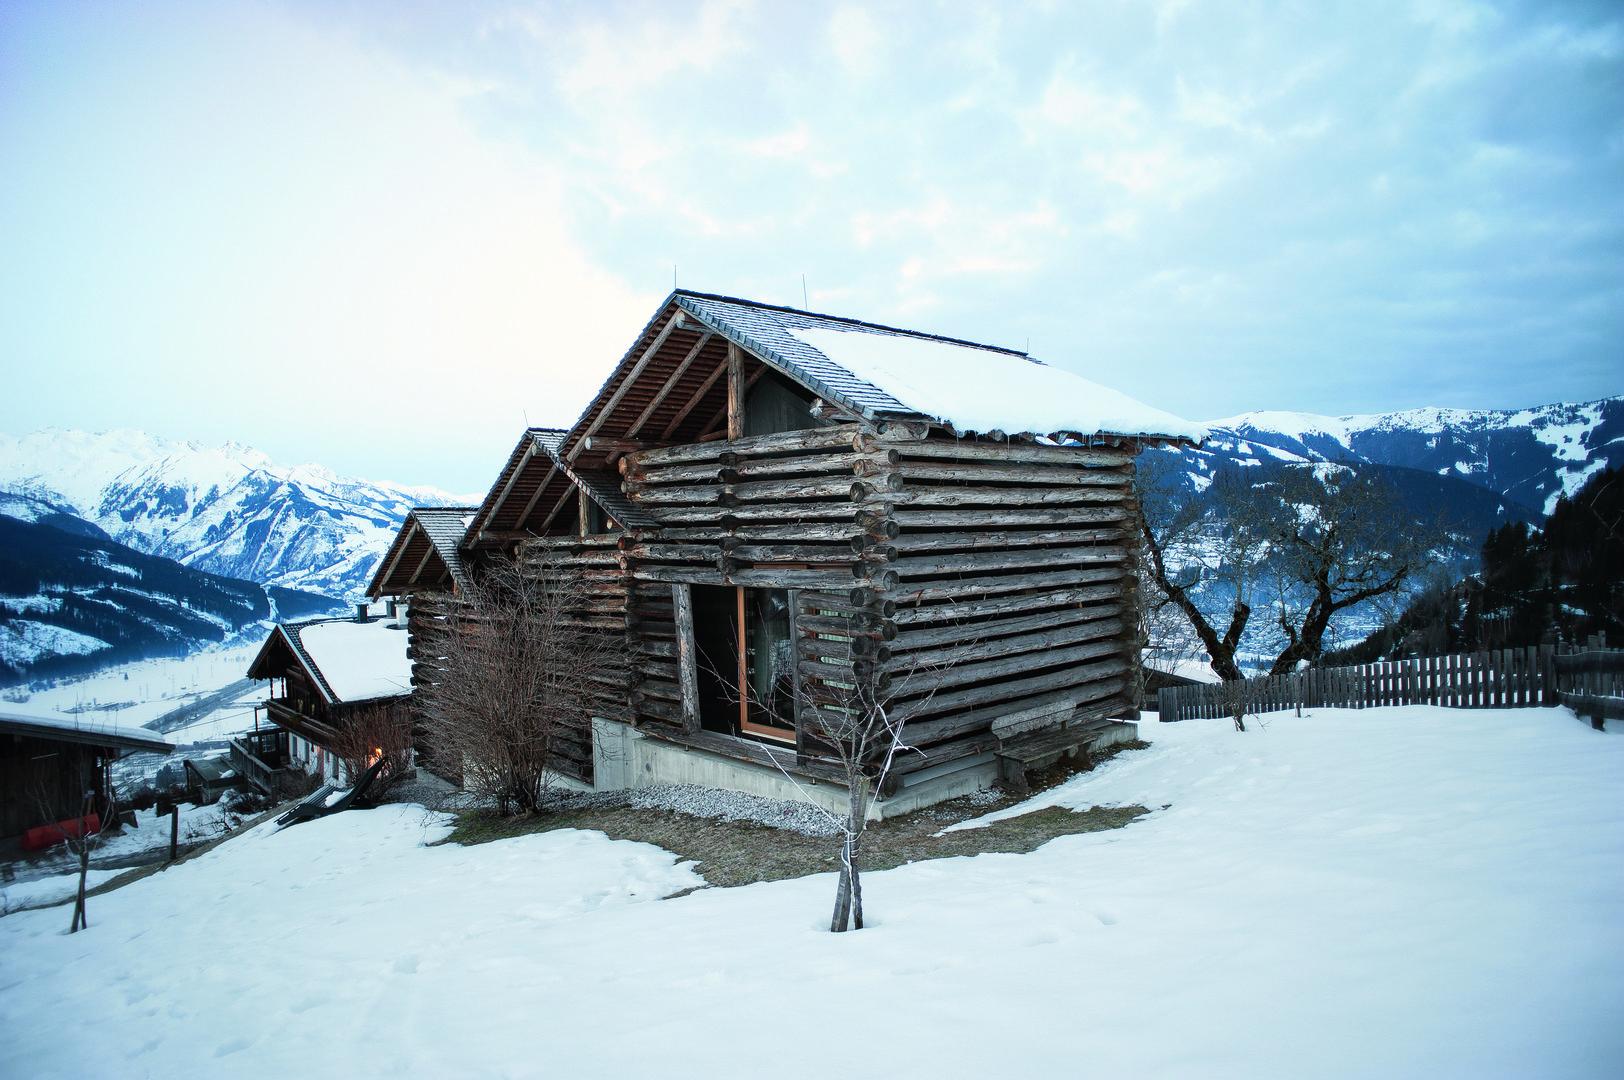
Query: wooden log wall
[
  {"x": 981, "y": 588},
  {"x": 1007, "y": 602},
  {"x": 772, "y": 511},
  {"x": 603, "y": 606},
  {"x": 973, "y": 581}
]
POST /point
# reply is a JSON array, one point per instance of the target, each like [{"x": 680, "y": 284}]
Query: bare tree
[
  {"x": 1339, "y": 537},
  {"x": 1309, "y": 542},
  {"x": 858, "y": 723},
  {"x": 373, "y": 733},
  {"x": 1192, "y": 542},
  {"x": 81, "y": 835},
  {"x": 517, "y": 669}
]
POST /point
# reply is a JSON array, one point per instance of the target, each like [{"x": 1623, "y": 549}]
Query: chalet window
[
  {"x": 775, "y": 404},
  {"x": 742, "y": 639},
  {"x": 769, "y": 664}
]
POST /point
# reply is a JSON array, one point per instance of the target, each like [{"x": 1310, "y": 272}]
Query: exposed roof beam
[
  {"x": 670, "y": 384},
  {"x": 704, "y": 388},
  {"x": 533, "y": 449},
  {"x": 725, "y": 412},
  {"x": 421, "y": 563},
  {"x": 406, "y": 542},
  {"x": 557, "y": 506},
  {"x": 524, "y": 515},
  {"x": 676, "y": 320}
]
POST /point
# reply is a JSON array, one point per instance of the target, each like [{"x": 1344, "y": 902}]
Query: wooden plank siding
[{"x": 967, "y": 611}]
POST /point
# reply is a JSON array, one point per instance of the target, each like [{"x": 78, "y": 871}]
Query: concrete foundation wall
[{"x": 624, "y": 757}]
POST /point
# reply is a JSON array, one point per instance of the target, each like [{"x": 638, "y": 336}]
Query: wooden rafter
[
  {"x": 698, "y": 395},
  {"x": 670, "y": 384},
  {"x": 530, "y": 506},
  {"x": 557, "y": 506},
  {"x": 725, "y": 412},
  {"x": 406, "y": 542},
  {"x": 626, "y": 383},
  {"x": 507, "y": 488}
]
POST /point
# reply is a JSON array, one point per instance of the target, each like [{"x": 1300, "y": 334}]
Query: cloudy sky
[{"x": 383, "y": 244}]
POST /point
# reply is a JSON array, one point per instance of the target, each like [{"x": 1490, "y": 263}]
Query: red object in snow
[{"x": 43, "y": 836}]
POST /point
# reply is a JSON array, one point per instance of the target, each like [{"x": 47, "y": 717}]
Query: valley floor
[{"x": 1392, "y": 892}]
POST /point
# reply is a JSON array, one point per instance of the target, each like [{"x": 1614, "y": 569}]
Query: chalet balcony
[
  {"x": 310, "y": 722},
  {"x": 263, "y": 759}
]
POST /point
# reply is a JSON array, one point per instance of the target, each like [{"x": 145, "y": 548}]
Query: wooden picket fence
[{"x": 1591, "y": 682}]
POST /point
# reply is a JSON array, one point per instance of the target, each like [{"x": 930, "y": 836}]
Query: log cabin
[
  {"x": 329, "y": 670},
  {"x": 770, "y": 503}
]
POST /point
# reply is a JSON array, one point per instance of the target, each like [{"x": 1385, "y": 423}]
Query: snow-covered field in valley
[{"x": 1388, "y": 893}]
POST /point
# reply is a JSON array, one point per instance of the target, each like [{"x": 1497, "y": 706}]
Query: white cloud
[{"x": 856, "y": 39}]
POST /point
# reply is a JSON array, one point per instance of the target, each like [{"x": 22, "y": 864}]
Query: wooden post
[
  {"x": 174, "y": 831},
  {"x": 687, "y": 665},
  {"x": 735, "y": 392}
]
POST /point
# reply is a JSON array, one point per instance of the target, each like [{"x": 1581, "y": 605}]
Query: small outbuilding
[{"x": 50, "y": 762}]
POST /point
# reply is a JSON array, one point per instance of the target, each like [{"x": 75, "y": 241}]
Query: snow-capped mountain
[
  {"x": 1530, "y": 457},
  {"x": 226, "y": 510},
  {"x": 73, "y": 600}
]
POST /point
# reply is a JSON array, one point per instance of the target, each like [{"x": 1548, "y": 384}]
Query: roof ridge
[
  {"x": 417, "y": 509},
  {"x": 848, "y": 320}
]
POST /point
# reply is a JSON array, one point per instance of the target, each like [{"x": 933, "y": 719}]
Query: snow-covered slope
[
  {"x": 1529, "y": 456},
  {"x": 1415, "y": 892},
  {"x": 227, "y": 509}
]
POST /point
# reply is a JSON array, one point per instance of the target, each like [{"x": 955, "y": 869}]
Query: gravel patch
[{"x": 737, "y": 839}]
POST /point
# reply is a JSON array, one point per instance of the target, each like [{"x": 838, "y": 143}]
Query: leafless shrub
[
  {"x": 517, "y": 669},
  {"x": 372, "y": 733}
]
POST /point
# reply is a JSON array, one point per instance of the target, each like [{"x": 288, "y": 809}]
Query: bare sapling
[
  {"x": 81, "y": 835},
  {"x": 517, "y": 668},
  {"x": 858, "y": 725}
]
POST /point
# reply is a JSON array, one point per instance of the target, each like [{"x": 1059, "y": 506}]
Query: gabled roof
[
  {"x": 347, "y": 660},
  {"x": 425, "y": 553},
  {"x": 59, "y": 727},
  {"x": 536, "y": 482},
  {"x": 668, "y": 386},
  {"x": 773, "y": 334}
]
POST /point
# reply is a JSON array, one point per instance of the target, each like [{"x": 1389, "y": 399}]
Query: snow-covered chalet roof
[
  {"x": 348, "y": 660},
  {"x": 886, "y": 372}
]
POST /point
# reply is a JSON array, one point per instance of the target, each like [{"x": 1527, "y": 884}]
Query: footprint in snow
[{"x": 232, "y": 1046}]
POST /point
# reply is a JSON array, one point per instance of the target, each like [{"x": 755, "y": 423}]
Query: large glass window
[{"x": 742, "y": 642}]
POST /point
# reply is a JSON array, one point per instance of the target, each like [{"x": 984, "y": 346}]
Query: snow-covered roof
[
  {"x": 80, "y": 728},
  {"x": 348, "y": 660},
  {"x": 879, "y": 371}
]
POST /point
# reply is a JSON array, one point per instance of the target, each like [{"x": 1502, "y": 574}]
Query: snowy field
[
  {"x": 139, "y": 693},
  {"x": 1411, "y": 892}
]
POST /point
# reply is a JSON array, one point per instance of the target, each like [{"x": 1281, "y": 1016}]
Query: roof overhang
[{"x": 71, "y": 730}]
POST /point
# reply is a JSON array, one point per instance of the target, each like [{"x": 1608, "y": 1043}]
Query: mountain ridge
[{"x": 227, "y": 509}]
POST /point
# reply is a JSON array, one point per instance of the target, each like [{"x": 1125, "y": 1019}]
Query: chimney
[{"x": 361, "y": 611}]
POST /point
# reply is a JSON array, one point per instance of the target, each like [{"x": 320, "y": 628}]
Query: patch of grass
[{"x": 730, "y": 853}]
